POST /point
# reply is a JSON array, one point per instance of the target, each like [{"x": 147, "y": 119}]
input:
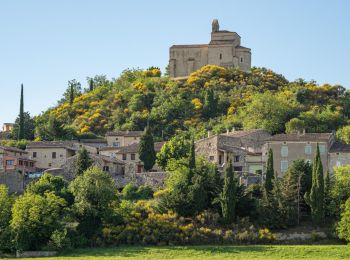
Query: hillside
[{"x": 212, "y": 98}]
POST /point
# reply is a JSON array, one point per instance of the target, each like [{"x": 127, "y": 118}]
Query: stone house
[
  {"x": 224, "y": 50},
  {"x": 338, "y": 155},
  {"x": 7, "y": 127},
  {"x": 51, "y": 154},
  {"x": 287, "y": 148},
  {"x": 91, "y": 145},
  {"x": 244, "y": 148},
  {"x": 129, "y": 154},
  {"x": 123, "y": 138},
  {"x": 14, "y": 159}
]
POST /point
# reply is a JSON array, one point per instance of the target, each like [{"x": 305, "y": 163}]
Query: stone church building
[{"x": 224, "y": 50}]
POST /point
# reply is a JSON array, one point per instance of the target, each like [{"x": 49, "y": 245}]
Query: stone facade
[
  {"x": 338, "y": 155},
  {"x": 242, "y": 147},
  {"x": 287, "y": 148},
  {"x": 51, "y": 154},
  {"x": 224, "y": 50},
  {"x": 123, "y": 138}
]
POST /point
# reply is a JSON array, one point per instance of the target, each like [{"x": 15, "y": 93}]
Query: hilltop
[{"x": 212, "y": 98}]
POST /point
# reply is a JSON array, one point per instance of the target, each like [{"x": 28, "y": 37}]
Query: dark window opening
[
  {"x": 34, "y": 154},
  {"x": 53, "y": 155},
  {"x": 220, "y": 56},
  {"x": 132, "y": 156},
  {"x": 124, "y": 156}
]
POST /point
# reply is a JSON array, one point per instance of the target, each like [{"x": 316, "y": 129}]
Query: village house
[
  {"x": 129, "y": 154},
  {"x": 7, "y": 127},
  {"x": 51, "y": 154},
  {"x": 14, "y": 159},
  {"x": 244, "y": 148},
  {"x": 287, "y": 148},
  {"x": 93, "y": 146},
  {"x": 123, "y": 138},
  {"x": 338, "y": 155}
]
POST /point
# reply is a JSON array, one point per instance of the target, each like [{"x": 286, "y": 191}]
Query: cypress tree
[
  {"x": 269, "y": 172},
  {"x": 315, "y": 198},
  {"x": 71, "y": 94},
  {"x": 83, "y": 162},
  {"x": 91, "y": 85},
  {"x": 327, "y": 194},
  {"x": 192, "y": 159},
  {"x": 210, "y": 104},
  {"x": 21, "y": 117},
  {"x": 228, "y": 195},
  {"x": 146, "y": 150}
]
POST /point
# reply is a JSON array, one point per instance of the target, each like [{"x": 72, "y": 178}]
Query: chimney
[{"x": 210, "y": 133}]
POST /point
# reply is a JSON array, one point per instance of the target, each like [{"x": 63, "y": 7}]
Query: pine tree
[
  {"x": 146, "y": 150},
  {"x": 91, "y": 85},
  {"x": 192, "y": 159},
  {"x": 21, "y": 117},
  {"x": 315, "y": 198},
  {"x": 269, "y": 172},
  {"x": 83, "y": 162},
  {"x": 228, "y": 195}
]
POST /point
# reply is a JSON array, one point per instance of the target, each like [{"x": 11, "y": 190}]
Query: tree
[
  {"x": 50, "y": 183},
  {"x": 268, "y": 111},
  {"x": 315, "y": 198},
  {"x": 327, "y": 195},
  {"x": 5, "y": 216},
  {"x": 295, "y": 125},
  {"x": 343, "y": 227},
  {"x": 146, "y": 151},
  {"x": 73, "y": 90},
  {"x": 94, "y": 193},
  {"x": 192, "y": 157},
  {"x": 29, "y": 127},
  {"x": 176, "y": 148},
  {"x": 83, "y": 162},
  {"x": 21, "y": 122},
  {"x": 228, "y": 195},
  {"x": 344, "y": 134},
  {"x": 35, "y": 218},
  {"x": 91, "y": 85},
  {"x": 269, "y": 172},
  {"x": 210, "y": 104}
]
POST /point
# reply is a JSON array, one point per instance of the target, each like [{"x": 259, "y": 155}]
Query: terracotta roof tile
[{"x": 302, "y": 137}]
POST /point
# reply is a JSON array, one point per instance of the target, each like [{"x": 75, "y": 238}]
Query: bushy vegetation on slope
[{"x": 212, "y": 98}]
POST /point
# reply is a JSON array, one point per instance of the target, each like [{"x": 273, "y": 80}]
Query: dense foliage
[{"x": 212, "y": 98}]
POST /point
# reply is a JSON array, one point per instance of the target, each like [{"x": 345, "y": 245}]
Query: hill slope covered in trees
[{"x": 212, "y": 98}]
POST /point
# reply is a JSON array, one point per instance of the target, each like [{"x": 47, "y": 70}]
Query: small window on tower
[
  {"x": 220, "y": 56},
  {"x": 241, "y": 59}
]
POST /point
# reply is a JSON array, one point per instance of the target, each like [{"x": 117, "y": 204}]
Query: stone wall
[{"x": 13, "y": 180}]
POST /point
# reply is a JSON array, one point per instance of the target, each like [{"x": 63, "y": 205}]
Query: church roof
[{"x": 190, "y": 46}]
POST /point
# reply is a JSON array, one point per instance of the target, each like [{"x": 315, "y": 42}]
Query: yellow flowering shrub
[{"x": 196, "y": 102}]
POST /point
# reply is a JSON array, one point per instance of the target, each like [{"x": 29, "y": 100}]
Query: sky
[{"x": 44, "y": 44}]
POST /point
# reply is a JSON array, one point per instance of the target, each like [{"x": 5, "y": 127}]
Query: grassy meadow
[{"x": 315, "y": 252}]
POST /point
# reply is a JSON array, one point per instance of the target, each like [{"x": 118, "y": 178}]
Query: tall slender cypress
[
  {"x": 228, "y": 195},
  {"x": 21, "y": 117},
  {"x": 146, "y": 150},
  {"x": 91, "y": 85},
  {"x": 269, "y": 172},
  {"x": 71, "y": 94},
  {"x": 192, "y": 159},
  {"x": 315, "y": 198}
]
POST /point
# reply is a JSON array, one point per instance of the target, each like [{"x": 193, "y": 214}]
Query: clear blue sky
[{"x": 43, "y": 44}]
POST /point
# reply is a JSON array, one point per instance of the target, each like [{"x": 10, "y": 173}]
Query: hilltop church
[{"x": 224, "y": 50}]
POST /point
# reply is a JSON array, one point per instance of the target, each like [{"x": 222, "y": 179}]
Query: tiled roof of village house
[
  {"x": 126, "y": 133},
  {"x": 301, "y": 137},
  {"x": 133, "y": 148},
  {"x": 52, "y": 144},
  {"x": 12, "y": 149},
  {"x": 340, "y": 147}
]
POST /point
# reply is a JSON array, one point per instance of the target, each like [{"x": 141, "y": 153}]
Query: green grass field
[{"x": 211, "y": 252}]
